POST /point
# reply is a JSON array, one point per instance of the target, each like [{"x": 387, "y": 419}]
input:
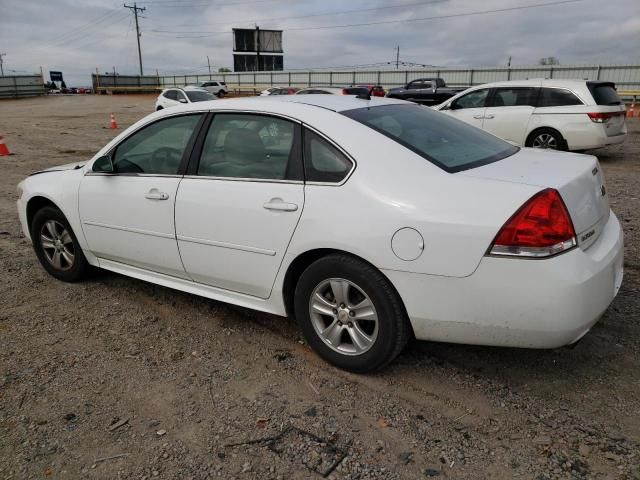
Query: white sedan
[{"x": 370, "y": 221}]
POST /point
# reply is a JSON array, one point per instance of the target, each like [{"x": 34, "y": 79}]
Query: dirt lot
[{"x": 117, "y": 378}]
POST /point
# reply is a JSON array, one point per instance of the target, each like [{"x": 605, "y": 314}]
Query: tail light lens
[
  {"x": 344, "y": 91},
  {"x": 603, "y": 117},
  {"x": 540, "y": 228}
]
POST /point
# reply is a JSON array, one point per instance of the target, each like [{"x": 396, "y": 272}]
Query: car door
[
  {"x": 469, "y": 107},
  {"x": 127, "y": 215},
  {"x": 239, "y": 206},
  {"x": 508, "y": 112}
]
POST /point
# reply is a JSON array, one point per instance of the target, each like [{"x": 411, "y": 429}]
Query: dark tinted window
[
  {"x": 157, "y": 148},
  {"x": 197, "y": 96},
  {"x": 416, "y": 84},
  {"x": 356, "y": 91},
  {"x": 475, "y": 99},
  {"x": 512, "y": 97},
  {"x": 445, "y": 141},
  {"x": 171, "y": 94},
  {"x": 180, "y": 95},
  {"x": 604, "y": 93},
  {"x": 557, "y": 97},
  {"x": 249, "y": 146},
  {"x": 322, "y": 161}
]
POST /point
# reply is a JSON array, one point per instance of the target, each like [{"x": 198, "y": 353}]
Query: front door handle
[
  {"x": 155, "y": 194},
  {"x": 489, "y": 116},
  {"x": 279, "y": 205},
  {"x": 478, "y": 117}
]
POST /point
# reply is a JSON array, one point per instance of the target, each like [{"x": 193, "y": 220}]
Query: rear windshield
[
  {"x": 198, "y": 96},
  {"x": 445, "y": 141},
  {"x": 356, "y": 91},
  {"x": 604, "y": 94}
]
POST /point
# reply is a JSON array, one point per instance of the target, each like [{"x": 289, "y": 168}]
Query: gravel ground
[{"x": 117, "y": 378}]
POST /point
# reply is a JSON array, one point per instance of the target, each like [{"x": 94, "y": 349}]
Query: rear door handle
[
  {"x": 155, "y": 194},
  {"x": 278, "y": 204},
  {"x": 489, "y": 116},
  {"x": 478, "y": 117}
]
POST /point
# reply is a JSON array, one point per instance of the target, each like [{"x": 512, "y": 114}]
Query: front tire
[
  {"x": 546, "y": 138},
  {"x": 56, "y": 245},
  {"x": 221, "y": 94},
  {"x": 350, "y": 314}
]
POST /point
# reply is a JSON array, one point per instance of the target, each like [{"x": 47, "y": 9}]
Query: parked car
[
  {"x": 267, "y": 204},
  {"x": 280, "y": 91},
  {"x": 174, "y": 96},
  {"x": 374, "y": 90},
  {"x": 334, "y": 91},
  {"x": 267, "y": 91},
  {"x": 215, "y": 87},
  {"x": 428, "y": 91},
  {"x": 558, "y": 114}
]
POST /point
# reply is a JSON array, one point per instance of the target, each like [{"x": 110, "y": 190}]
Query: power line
[
  {"x": 135, "y": 10},
  {"x": 388, "y": 22},
  {"x": 89, "y": 30},
  {"x": 326, "y": 14}
]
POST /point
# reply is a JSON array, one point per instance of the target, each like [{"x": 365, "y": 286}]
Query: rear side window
[
  {"x": 443, "y": 140},
  {"x": 322, "y": 161},
  {"x": 604, "y": 93},
  {"x": 171, "y": 95},
  {"x": 557, "y": 97},
  {"x": 514, "y": 97}
]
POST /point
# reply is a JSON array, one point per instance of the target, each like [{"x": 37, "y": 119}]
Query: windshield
[
  {"x": 199, "y": 96},
  {"x": 445, "y": 141}
]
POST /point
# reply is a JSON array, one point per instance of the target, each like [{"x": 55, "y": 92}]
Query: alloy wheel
[
  {"x": 545, "y": 140},
  {"x": 343, "y": 316},
  {"x": 57, "y": 245}
]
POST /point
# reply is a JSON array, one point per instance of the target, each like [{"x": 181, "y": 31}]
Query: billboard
[
  {"x": 55, "y": 76},
  {"x": 257, "y": 40},
  {"x": 257, "y": 63}
]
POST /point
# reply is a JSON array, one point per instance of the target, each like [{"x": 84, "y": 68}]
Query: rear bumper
[
  {"x": 518, "y": 303},
  {"x": 590, "y": 135}
]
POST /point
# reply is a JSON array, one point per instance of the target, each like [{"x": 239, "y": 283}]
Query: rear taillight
[
  {"x": 540, "y": 228},
  {"x": 602, "y": 117},
  {"x": 344, "y": 91}
]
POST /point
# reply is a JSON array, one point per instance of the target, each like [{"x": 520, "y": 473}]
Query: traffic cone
[
  {"x": 4, "y": 150},
  {"x": 631, "y": 112},
  {"x": 113, "y": 125}
]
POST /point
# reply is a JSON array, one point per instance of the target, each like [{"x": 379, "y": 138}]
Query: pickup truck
[{"x": 429, "y": 91}]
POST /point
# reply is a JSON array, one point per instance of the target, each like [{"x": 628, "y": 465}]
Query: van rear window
[{"x": 604, "y": 93}]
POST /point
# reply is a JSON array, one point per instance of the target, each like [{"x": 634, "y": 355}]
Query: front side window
[
  {"x": 475, "y": 99},
  {"x": 322, "y": 161},
  {"x": 557, "y": 97},
  {"x": 442, "y": 139},
  {"x": 416, "y": 84},
  {"x": 250, "y": 146},
  {"x": 514, "y": 97},
  {"x": 180, "y": 96},
  {"x": 157, "y": 148}
]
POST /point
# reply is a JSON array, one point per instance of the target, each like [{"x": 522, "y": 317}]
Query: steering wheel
[{"x": 166, "y": 160}]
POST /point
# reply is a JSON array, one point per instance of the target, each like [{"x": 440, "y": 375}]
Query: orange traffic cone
[
  {"x": 113, "y": 122},
  {"x": 4, "y": 150},
  {"x": 630, "y": 112}
]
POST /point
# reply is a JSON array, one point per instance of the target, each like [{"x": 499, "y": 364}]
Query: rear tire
[
  {"x": 158, "y": 109},
  {"x": 221, "y": 94},
  {"x": 350, "y": 314},
  {"x": 547, "y": 138},
  {"x": 56, "y": 245}
]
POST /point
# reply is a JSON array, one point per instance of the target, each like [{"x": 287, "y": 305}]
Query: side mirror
[
  {"x": 103, "y": 164},
  {"x": 183, "y": 100}
]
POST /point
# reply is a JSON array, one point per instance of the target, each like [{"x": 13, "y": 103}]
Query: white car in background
[
  {"x": 172, "y": 97},
  {"x": 267, "y": 91},
  {"x": 368, "y": 220},
  {"x": 215, "y": 87},
  {"x": 557, "y": 114}
]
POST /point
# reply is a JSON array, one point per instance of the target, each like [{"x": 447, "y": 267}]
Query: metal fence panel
[{"x": 14, "y": 86}]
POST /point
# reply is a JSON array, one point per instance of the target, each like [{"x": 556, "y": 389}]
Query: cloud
[{"x": 78, "y": 37}]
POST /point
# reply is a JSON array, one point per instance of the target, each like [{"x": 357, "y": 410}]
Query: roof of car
[{"x": 537, "y": 82}]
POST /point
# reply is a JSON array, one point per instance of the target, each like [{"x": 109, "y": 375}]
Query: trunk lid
[{"x": 578, "y": 178}]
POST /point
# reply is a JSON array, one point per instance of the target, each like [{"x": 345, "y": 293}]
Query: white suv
[
  {"x": 171, "y": 97},
  {"x": 215, "y": 87},
  {"x": 542, "y": 113}
]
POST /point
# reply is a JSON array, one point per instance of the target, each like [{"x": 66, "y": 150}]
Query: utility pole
[
  {"x": 509, "y": 62},
  {"x": 257, "y": 48},
  {"x": 209, "y": 63},
  {"x": 1, "y": 68},
  {"x": 137, "y": 9},
  {"x": 397, "y": 56}
]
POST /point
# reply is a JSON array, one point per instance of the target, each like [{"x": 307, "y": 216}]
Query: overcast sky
[{"x": 177, "y": 35}]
